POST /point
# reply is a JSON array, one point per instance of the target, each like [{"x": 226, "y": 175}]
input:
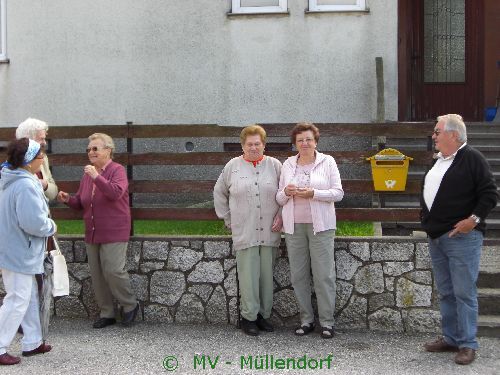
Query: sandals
[
  {"x": 304, "y": 329},
  {"x": 327, "y": 332}
]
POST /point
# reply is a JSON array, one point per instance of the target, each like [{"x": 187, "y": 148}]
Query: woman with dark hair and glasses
[
  {"x": 24, "y": 228},
  {"x": 103, "y": 197},
  {"x": 309, "y": 187}
]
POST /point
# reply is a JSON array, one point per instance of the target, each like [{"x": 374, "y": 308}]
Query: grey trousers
[
  {"x": 308, "y": 251},
  {"x": 109, "y": 278},
  {"x": 255, "y": 276}
]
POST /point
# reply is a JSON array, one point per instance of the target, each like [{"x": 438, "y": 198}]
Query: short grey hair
[
  {"x": 30, "y": 127},
  {"x": 106, "y": 139},
  {"x": 453, "y": 122}
]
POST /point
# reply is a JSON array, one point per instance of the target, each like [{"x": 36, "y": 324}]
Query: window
[
  {"x": 337, "y": 5},
  {"x": 259, "y": 6},
  {"x": 444, "y": 41},
  {"x": 3, "y": 30}
]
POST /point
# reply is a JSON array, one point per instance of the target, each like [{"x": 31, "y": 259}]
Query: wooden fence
[{"x": 130, "y": 159}]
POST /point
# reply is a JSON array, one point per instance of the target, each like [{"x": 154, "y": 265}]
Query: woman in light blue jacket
[{"x": 24, "y": 228}]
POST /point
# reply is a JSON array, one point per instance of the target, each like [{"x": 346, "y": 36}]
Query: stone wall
[{"x": 382, "y": 283}]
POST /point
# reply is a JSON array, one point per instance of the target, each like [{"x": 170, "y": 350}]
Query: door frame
[{"x": 405, "y": 52}]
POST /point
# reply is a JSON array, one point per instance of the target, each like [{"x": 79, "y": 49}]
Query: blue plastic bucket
[{"x": 490, "y": 113}]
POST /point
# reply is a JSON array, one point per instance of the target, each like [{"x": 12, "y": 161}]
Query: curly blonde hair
[{"x": 253, "y": 130}]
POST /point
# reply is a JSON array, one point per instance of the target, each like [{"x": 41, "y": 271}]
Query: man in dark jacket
[{"x": 458, "y": 193}]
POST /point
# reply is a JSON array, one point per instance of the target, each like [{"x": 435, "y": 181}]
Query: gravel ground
[{"x": 144, "y": 348}]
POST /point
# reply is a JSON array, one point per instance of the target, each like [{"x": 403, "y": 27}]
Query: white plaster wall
[{"x": 186, "y": 61}]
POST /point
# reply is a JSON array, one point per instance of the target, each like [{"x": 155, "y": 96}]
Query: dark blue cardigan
[{"x": 467, "y": 188}]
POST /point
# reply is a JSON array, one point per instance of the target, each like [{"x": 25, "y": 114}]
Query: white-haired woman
[
  {"x": 37, "y": 131},
  {"x": 103, "y": 197}
]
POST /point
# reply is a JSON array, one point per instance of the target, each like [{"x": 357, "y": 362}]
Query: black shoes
[
  {"x": 264, "y": 324},
  {"x": 129, "y": 317},
  {"x": 103, "y": 322},
  {"x": 253, "y": 327},
  {"x": 249, "y": 327},
  {"x": 127, "y": 320}
]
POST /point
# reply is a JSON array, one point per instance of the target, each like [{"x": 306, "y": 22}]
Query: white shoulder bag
[{"x": 61, "y": 278}]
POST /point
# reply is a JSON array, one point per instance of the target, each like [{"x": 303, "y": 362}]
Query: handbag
[
  {"x": 60, "y": 272},
  {"x": 50, "y": 243}
]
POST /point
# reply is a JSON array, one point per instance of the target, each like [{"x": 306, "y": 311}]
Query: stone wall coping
[
  {"x": 392, "y": 239},
  {"x": 228, "y": 238}
]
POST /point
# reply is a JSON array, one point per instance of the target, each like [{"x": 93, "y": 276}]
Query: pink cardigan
[
  {"x": 107, "y": 213},
  {"x": 325, "y": 179}
]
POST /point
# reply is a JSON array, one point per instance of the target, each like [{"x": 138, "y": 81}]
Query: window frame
[
  {"x": 359, "y": 7},
  {"x": 236, "y": 8},
  {"x": 3, "y": 30}
]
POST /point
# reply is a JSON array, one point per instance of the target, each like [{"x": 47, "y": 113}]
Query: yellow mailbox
[{"x": 389, "y": 170}]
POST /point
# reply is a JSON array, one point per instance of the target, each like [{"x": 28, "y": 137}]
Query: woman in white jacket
[
  {"x": 309, "y": 186},
  {"x": 24, "y": 228}
]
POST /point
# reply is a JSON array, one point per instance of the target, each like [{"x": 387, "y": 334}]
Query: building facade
[
  {"x": 234, "y": 62},
  {"x": 197, "y": 61}
]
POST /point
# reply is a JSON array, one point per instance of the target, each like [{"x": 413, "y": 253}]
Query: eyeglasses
[
  {"x": 95, "y": 149},
  {"x": 41, "y": 155},
  {"x": 305, "y": 140}
]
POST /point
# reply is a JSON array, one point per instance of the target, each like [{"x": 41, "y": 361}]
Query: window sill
[
  {"x": 367, "y": 10},
  {"x": 230, "y": 14},
  {"x": 4, "y": 61}
]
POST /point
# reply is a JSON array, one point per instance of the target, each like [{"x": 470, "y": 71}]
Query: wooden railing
[{"x": 131, "y": 159}]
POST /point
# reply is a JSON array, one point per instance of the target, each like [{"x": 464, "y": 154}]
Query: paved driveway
[{"x": 146, "y": 348}]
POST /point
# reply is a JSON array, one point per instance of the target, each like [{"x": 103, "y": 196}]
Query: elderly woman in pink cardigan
[
  {"x": 103, "y": 197},
  {"x": 309, "y": 186}
]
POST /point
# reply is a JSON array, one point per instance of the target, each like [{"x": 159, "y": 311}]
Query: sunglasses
[{"x": 95, "y": 149}]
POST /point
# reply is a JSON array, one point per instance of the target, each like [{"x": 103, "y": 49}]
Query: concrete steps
[
  {"x": 494, "y": 214},
  {"x": 488, "y": 284},
  {"x": 489, "y": 301},
  {"x": 488, "y": 326},
  {"x": 415, "y": 174}
]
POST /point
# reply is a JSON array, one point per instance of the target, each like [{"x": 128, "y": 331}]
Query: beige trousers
[
  {"x": 109, "y": 278},
  {"x": 255, "y": 278},
  {"x": 308, "y": 251}
]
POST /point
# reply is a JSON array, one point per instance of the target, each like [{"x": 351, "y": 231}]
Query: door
[{"x": 444, "y": 62}]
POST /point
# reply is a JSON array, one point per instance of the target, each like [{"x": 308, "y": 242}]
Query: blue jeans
[{"x": 455, "y": 262}]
